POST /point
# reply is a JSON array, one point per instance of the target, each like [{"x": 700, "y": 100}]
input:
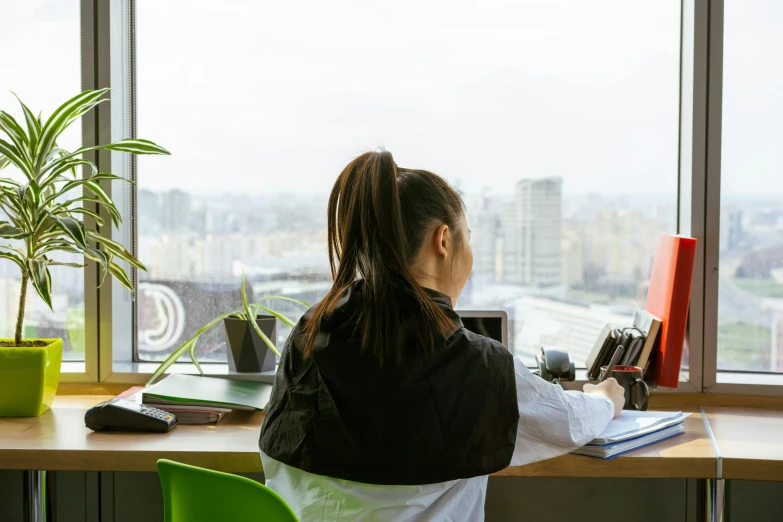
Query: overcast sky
[{"x": 271, "y": 97}]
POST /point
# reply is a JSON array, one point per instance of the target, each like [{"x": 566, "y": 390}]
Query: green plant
[
  {"x": 44, "y": 206},
  {"x": 247, "y": 312}
]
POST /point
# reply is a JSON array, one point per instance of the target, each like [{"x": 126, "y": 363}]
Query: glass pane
[
  {"x": 750, "y": 306},
  {"x": 43, "y": 78},
  {"x": 558, "y": 120}
]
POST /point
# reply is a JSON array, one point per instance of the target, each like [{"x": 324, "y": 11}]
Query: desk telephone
[
  {"x": 555, "y": 365},
  {"x": 119, "y": 413}
]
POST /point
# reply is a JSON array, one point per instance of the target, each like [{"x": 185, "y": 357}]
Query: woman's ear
[{"x": 442, "y": 240}]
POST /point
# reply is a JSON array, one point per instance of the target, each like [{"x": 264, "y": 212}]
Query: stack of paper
[
  {"x": 205, "y": 400},
  {"x": 190, "y": 390},
  {"x": 633, "y": 430},
  {"x": 195, "y": 414}
]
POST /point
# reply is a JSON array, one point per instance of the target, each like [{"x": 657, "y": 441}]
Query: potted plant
[
  {"x": 43, "y": 207},
  {"x": 249, "y": 342}
]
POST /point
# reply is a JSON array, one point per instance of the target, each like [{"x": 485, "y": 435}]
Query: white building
[
  {"x": 532, "y": 233},
  {"x": 485, "y": 241}
]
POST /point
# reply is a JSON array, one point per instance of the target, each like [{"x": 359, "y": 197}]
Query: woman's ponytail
[{"x": 370, "y": 239}]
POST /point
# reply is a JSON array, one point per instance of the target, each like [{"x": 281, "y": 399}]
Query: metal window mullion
[
  {"x": 88, "y": 46},
  {"x": 103, "y": 79},
  {"x": 692, "y": 168},
  {"x": 712, "y": 192},
  {"x": 133, "y": 189}
]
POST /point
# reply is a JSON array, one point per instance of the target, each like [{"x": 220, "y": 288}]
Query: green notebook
[{"x": 208, "y": 391}]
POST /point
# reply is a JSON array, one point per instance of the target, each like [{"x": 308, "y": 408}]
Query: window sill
[
  {"x": 750, "y": 379},
  {"x": 684, "y": 385},
  {"x": 73, "y": 367},
  {"x": 139, "y": 373}
]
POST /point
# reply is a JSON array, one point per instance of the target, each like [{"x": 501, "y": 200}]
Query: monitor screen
[{"x": 489, "y": 326}]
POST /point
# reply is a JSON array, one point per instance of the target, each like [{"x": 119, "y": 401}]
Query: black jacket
[{"x": 431, "y": 419}]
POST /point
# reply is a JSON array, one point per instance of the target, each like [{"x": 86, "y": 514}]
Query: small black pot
[{"x": 247, "y": 352}]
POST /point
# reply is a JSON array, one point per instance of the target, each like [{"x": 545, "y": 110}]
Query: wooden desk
[
  {"x": 749, "y": 441},
  {"x": 687, "y": 456},
  {"x": 58, "y": 440}
]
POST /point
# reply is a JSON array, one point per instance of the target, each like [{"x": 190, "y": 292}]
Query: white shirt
[{"x": 552, "y": 422}]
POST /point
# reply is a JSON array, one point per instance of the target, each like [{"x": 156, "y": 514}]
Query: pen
[{"x": 615, "y": 359}]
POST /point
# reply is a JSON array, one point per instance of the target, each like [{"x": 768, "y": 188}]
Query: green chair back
[{"x": 192, "y": 494}]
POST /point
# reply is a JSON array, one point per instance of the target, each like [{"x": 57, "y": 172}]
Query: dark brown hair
[{"x": 379, "y": 216}]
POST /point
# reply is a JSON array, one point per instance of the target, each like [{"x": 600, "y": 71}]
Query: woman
[{"x": 384, "y": 407}]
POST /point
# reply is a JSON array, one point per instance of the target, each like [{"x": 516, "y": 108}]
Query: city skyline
[
  {"x": 605, "y": 251},
  {"x": 483, "y": 97}
]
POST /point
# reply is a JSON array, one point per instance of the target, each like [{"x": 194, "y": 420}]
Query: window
[
  {"x": 750, "y": 322},
  {"x": 43, "y": 80},
  {"x": 557, "y": 120}
]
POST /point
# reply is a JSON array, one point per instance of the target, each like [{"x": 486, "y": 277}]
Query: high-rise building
[
  {"x": 148, "y": 204},
  {"x": 572, "y": 261},
  {"x": 532, "y": 233},
  {"x": 730, "y": 229},
  {"x": 175, "y": 210},
  {"x": 485, "y": 236}
]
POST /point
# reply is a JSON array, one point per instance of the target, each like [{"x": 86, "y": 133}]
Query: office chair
[{"x": 193, "y": 494}]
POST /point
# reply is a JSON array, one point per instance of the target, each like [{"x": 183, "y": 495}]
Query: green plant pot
[{"x": 29, "y": 378}]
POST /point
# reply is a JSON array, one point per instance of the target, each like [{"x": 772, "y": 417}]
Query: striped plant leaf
[
  {"x": 185, "y": 347},
  {"x": 133, "y": 146},
  {"x": 72, "y": 265},
  {"x": 305, "y": 304},
  {"x": 137, "y": 146},
  {"x": 9, "y": 231},
  {"x": 11, "y": 201},
  {"x": 102, "y": 258},
  {"x": 194, "y": 357},
  {"x": 30, "y": 189},
  {"x": 58, "y": 245},
  {"x": 116, "y": 249},
  {"x": 33, "y": 125},
  {"x": 14, "y": 156},
  {"x": 14, "y": 249},
  {"x": 120, "y": 275},
  {"x": 14, "y": 258},
  {"x": 41, "y": 279},
  {"x": 63, "y": 116},
  {"x": 66, "y": 165},
  {"x": 83, "y": 211},
  {"x": 72, "y": 227},
  {"x": 285, "y": 320},
  {"x": 251, "y": 318},
  {"x": 16, "y": 133},
  {"x": 12, "y": 182},
  {"x": 92, "y": 186}
]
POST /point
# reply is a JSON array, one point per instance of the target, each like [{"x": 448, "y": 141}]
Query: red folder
[{"x": 668, "y": 298}]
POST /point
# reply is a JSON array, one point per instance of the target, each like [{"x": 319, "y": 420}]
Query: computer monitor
[{"x": 489, "y": 323}]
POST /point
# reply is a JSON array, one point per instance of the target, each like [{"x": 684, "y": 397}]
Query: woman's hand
[{"x": 611, "y": 389}]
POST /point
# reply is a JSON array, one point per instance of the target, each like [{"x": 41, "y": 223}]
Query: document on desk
[
  {"x": 632, "y": 424},
  {"x": 633, "y": 430},
  {"x": 209, "y": 391}
]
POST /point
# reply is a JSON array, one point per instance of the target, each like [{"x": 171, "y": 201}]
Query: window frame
[
  {"x": 698, "y": 213},
  {"x": 87, "y": 371}
]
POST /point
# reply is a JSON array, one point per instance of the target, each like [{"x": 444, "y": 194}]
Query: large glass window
[
  {"x": 42, "y": 64},
  {"x": 750, "y": 326},
  {"x": 558, "y": 120}
]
